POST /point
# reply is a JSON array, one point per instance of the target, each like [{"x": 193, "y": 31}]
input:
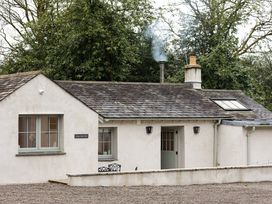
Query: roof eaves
[
  {"x": 219, "y": 90},
  {"x": 167, "y": 118},
  {"x": 248, "y": 123}
]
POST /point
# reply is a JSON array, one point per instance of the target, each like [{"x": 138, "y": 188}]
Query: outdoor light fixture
[
  {"x": 41, "y": 91},
  {"x": 196, "y": 129},
  {"x": 148, "y": 129}
]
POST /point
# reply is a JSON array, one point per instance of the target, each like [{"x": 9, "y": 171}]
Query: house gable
[{"x": 42, "y": 97}]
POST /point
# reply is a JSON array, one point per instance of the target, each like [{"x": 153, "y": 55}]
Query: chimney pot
[{"x": 192, "y": 60}]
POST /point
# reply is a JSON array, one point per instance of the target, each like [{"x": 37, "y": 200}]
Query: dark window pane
[
  {"x": 107, "y": 137},
  {"x": 22, "y": 140},
  {"x": 100, "y": 148},
  {"x": 31, "y": 124},
  {"x": 53, "y": 123},
  {"x": 106, "y": 130},
  {"x": 107, "y": 149},
  {"x": 53, "y": 140},
  {"x": 45, "y": 124},
  {"x": 100, "y": 137},
  {"x": 22, "y": 124},
  {"x": 104, "y": 141},
  {"x": 45, "y": 140},
  {"x": 31, "y": 140}
]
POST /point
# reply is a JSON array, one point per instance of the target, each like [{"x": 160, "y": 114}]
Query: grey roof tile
[
  {"x": 10, "y": 83},
  {"x": 257, "y": 110},
  {"x": 147, "y": 100}
]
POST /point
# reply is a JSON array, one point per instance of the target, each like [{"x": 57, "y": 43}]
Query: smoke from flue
[{"x": 155, "y": 33}]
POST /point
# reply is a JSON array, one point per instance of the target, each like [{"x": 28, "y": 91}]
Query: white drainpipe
[
  {"x": 247, "y": 142},
  {"x": 215, "y": 143}
]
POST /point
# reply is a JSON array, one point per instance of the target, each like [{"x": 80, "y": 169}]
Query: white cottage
[{"x": 53, "y": 128}]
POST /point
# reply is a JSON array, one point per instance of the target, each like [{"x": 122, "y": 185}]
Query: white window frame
[
  {"x": 108, "y": 156},
  {"x": 38, "y": 147}
]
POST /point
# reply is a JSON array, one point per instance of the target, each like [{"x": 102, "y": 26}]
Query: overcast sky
[{"x": 164, "y": 2}]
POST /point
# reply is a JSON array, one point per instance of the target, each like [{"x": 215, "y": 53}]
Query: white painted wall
[
  {"x": 260, "y": 146},
  {"x": 175, "y": 177},
  {"x": 232, "y": 146},
  {"x": 199, "y": 147},
  {"x": 81, "y": 154},
  {"x": 136, "y": 148},
  {"x": 193, "y": 76}
]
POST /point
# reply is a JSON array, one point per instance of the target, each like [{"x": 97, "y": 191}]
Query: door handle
[{"x": 176, "y": 152}]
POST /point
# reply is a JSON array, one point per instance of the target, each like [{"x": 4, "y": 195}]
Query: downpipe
[
  {"x": 215, "y": 143},
  {"x": 248, "y": 132}
]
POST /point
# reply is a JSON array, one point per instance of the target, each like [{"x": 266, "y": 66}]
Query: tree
[
  {"x": 211, "y": 31},
  {"x": 260, "y": 69},
  {"x": 85, "y": 40},
  {"x": 18, "y": 16}
]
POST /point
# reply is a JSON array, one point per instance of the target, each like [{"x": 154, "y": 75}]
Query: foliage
[
  {"x": 87, "y": 40},
  {"x": 260, "y": 69},
  {"x": 210, "y": 30}
]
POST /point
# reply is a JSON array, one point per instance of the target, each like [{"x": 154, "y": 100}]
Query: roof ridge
[
  {"x": 21, "y": 74},
  {"x": 117, "y": 82}
]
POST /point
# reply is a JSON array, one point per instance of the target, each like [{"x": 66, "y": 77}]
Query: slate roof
[
  {"x": 10, "y": 83},
  {"x": 146, "y": 100},
  {"x": 150, "y": 100},
  {"x": 257, "y": 110}
]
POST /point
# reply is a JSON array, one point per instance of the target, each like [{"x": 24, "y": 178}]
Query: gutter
[
  {"x": 165, "y": 118},
  {"x": 215, "y": 143},
  {"x": 253, "y": 126}
]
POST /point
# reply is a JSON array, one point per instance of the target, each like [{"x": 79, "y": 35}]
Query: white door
[{"x": 169, "y": 148}]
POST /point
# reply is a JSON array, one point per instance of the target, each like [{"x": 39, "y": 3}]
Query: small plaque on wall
[{"x": 81, "y": 136}]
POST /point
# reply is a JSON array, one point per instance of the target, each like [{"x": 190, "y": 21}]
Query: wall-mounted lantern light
[
  {"x": 196, "y": 129},
  {"x": 148, "y": 129}
]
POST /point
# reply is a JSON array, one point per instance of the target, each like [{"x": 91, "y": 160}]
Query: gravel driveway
[{"x": 58, "y": 193}]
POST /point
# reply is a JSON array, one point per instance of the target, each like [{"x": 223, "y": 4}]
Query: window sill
[
  {"x": 56, "y": 153},
  {"x": 106, "y": 159}
]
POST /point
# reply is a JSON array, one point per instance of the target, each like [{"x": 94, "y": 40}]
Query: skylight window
[{"x": 230, "y": 104}]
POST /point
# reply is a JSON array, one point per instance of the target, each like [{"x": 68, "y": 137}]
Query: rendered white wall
[
  {"x": 193, "y": 75},
  {"x": 136, "y": 148},
  {"x": 81, "y": 154},
  {"x": 232, "y": 146},
  {"x": 175, "y": 177},
  {"x": 199, "y": 147},
  {"x": 260, "y": 146}
]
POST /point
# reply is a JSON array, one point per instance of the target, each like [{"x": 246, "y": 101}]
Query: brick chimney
[{"x": 193, "y": 73}]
